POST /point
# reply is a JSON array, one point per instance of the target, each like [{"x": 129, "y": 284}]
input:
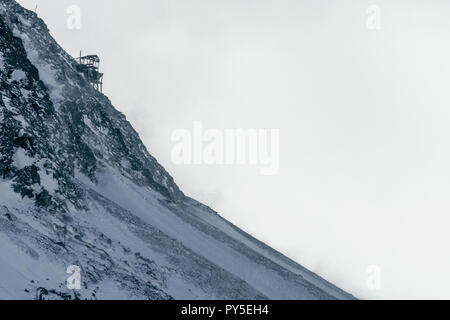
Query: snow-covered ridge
[{"x": 78, "y": 187}]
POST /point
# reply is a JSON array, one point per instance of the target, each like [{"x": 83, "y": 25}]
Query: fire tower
[{"x": 88, "y": 66}]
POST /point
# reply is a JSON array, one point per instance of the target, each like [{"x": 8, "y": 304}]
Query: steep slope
[{"x": 78, "y": 187}]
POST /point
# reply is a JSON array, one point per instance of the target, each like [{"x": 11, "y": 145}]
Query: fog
[{"x": 364, "y": 175}]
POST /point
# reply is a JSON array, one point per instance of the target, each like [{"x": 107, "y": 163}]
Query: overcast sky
[{"x": 363, "y": 116}]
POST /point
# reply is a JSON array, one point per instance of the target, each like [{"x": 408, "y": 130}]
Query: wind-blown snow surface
[{"x": 78, "y": 187}]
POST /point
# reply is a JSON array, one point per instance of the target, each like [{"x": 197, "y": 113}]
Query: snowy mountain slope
[{"x": 78, "y": 187}]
